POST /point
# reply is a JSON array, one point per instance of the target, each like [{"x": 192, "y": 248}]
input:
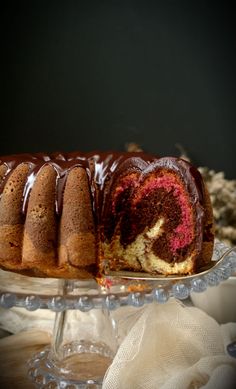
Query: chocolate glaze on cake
[{"x": 66, "y": 215}]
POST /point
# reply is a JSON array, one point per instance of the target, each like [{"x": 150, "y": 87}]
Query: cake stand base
[{"x": 83, "y": 366}]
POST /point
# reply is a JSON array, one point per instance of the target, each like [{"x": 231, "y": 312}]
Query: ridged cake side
[
  {"x": 11, "y": 217},
  {"x": 46, "y": 218}
]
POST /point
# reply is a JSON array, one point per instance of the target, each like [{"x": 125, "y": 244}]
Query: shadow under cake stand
[{"x": 78, "y": 357}]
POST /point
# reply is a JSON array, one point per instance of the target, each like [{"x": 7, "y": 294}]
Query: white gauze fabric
[
  {"x": 169, "y": 346},
  {"x": 172, "y": 346}
]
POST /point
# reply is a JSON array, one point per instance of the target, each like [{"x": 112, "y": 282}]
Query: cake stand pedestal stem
[{"x": 84, "y": 343}]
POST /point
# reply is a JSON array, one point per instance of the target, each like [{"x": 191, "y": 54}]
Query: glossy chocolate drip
[
  {"x": 61, "y": 163},
  {"x": 100, "y": 168},
  {"x": 104, "y": 164}
]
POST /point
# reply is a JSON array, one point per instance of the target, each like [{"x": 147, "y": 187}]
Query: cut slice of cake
[{"x": 158, "y": 220}]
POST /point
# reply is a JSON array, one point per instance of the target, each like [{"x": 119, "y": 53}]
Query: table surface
[{"x": 15, "y": 351}]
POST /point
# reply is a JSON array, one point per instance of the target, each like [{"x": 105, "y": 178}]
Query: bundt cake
[{"x": 74, "y": 215}]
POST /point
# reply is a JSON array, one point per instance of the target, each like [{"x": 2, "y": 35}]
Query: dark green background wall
[{"x": 95, "y": 75}]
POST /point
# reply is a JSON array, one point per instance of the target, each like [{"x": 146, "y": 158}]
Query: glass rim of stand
[
  {"x": 45, "y": 374},
  {"x": 116, "y": 289}
]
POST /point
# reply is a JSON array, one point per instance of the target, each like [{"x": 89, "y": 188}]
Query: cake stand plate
[{"x": 76, "y": 363}]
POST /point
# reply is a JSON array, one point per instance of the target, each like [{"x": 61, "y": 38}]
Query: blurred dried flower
[
  {"x": 223, "y": 197},
  {"x": 132, "y": 147},
  {"x": 182, "y": 151}
]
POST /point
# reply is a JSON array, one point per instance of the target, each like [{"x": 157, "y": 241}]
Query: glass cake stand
[{"x": 77, "y": 357}]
